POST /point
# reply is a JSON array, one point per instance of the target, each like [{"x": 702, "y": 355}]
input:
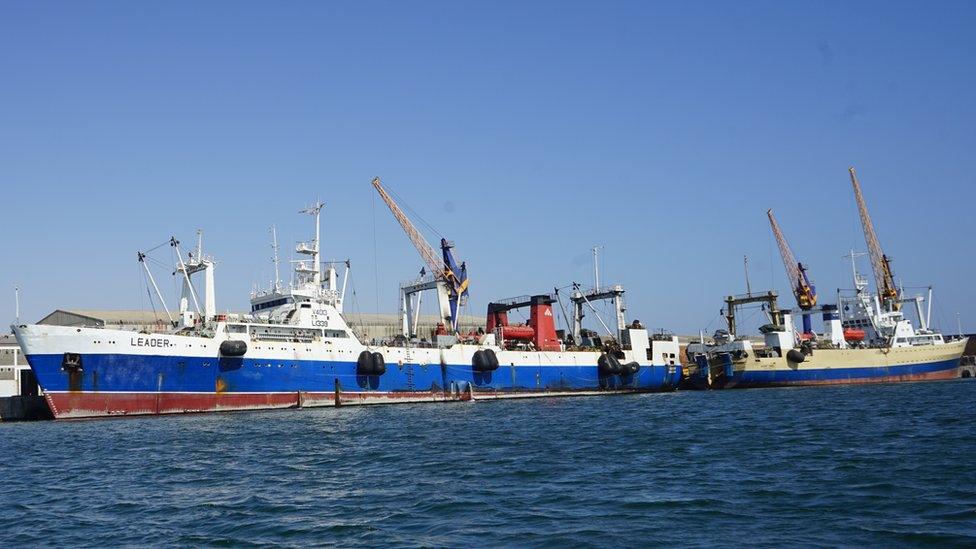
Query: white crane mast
[{"x": 274, "y": 258}]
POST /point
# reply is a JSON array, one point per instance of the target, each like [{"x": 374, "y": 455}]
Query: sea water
[{"x": 878, "y": 465}]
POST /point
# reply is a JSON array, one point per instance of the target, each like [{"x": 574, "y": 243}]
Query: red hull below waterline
[
  {"x": 84, "y": 404},
  {"x": 77, "y": 405}
]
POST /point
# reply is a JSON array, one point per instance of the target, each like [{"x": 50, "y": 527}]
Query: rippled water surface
[{"x": 880, "y": 465}]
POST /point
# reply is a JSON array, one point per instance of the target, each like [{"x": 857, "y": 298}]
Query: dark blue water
[{"x": 867, "y": 465}]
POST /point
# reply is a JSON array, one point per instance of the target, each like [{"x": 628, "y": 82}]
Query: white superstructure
[{"x": 885, "y": 327}]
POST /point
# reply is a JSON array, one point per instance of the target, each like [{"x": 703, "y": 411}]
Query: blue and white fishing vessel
[{"x": 294, "y": 348}]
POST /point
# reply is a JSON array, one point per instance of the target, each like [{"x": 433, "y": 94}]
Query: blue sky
[{"x": 525, "y": 132}]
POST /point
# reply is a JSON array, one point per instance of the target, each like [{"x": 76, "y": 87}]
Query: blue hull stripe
[
  {"x": 140, "y": 373},
  {"x": 828, "y": 375}
]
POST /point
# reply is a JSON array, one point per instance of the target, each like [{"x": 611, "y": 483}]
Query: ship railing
[
  {"x": 514, "y": 300},
  {"x": 766, "y": 294},
  {"x": 294, "y": 336},
  {"x": 306, "y": 248},
  {"x": 284, "y": 338},
  {"x": 419, "y": 281},
  {"x": 285, "y": 334},
  {"x": 600, "y": 290}
]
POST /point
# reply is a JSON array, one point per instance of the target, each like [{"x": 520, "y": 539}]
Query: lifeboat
[
  {"x": 853, "y": 334},
  {"x": 519, "y": 333}
]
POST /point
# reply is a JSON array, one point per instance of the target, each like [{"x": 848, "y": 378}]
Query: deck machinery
[
  {"x": 540, "y": 330},
  {"x": 581, "y": 299}
]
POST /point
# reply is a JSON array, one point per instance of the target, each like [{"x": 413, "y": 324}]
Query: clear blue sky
[{"x": 527, "y": 132}]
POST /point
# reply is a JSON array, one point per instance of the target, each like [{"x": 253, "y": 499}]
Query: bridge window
[{"x": 270, "y": 304}]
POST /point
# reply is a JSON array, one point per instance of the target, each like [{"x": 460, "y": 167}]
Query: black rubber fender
[
  {"x": 608, "y": 364},
  {"x": 795, "y": 356},
  {"x": 806, "y": 348},
  {"x": 233, "y": 347},
  {"x": 630, "y": 368},
  {"x": 492, "y": 359},
  {"x": 379, "y": 364},
  {"x": 480, "y": 361},
  {"x": 364, "y": 364}
]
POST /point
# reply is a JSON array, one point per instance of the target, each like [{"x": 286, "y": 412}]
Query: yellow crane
[
  {"x": 805, "y": 292},
  {"x": 880, "y": 263}
]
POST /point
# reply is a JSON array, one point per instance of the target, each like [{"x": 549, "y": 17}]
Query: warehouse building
[{"x": 16, "y": 377}]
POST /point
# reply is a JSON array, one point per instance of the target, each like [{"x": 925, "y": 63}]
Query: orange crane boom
[
  {"x": 880, "y": 263},
  {"x": 450, "y": 276},
  {"x": 427, "y": 252},
  {"x": 806, "y": 295}
]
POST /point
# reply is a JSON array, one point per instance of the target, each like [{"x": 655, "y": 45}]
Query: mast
[
  {"x": 312, "y": 248},
  {"x": 207, "y": 265},
  {"x": 193, "y": 265},
  {"x": 745, "y": 266},
  {"x": 142, "y": 259},
  {"x": 880, "y": 263},
  {"x": 184, "y": 270},
  {"x": 860, "y": 283},
  {"x": 274, "y": 258},
  {"x": 596, "y": 267},
  {"x": 345, "y": 280},
  {"x": 928, "y": 305}
]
